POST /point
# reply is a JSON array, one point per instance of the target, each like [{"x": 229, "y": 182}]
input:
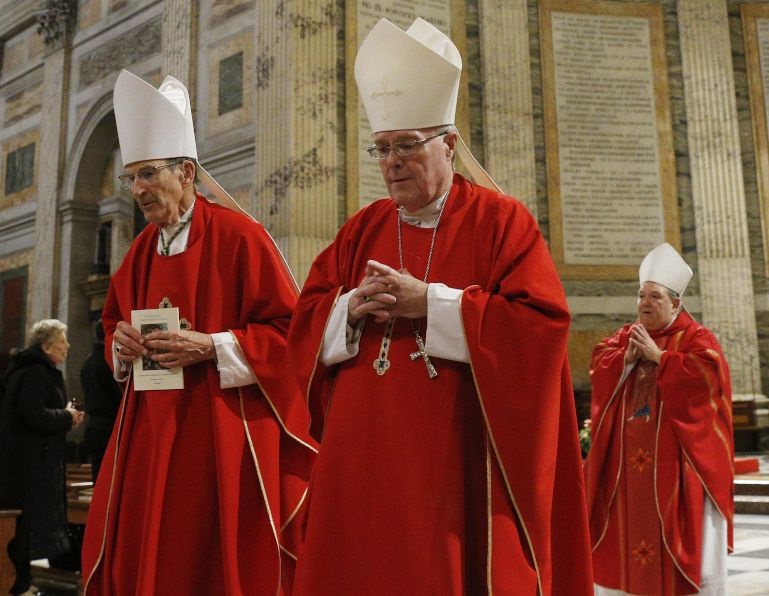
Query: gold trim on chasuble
[
  {"x": 502, "y": 472},
  {"x": 317, "y": 354},
  {"x": 624, "y": 377},
  {"x": 264, "y": 492},
  {"x": 121, "y": 418},
  {"x": 269, "y": 402},
  {"x": 668, "y": 505},
  {"x": 489, "y": 529}
]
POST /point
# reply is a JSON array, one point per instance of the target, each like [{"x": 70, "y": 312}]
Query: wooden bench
[
  {"x": 7, "y": 532},
  {"x": 79, "y": 491}
]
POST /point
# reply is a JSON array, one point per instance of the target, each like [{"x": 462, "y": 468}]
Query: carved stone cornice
[{"x": 16, "y": 16}]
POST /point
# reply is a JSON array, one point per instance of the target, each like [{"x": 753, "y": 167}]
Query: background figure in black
[
  {"x": 34, "y": 421},
  {"x": 102, "y": 395}
]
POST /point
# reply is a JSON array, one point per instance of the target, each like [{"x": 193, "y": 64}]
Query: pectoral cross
[
  {"x": 431, "y": 372},
  {"x": 381, "y": 365}
]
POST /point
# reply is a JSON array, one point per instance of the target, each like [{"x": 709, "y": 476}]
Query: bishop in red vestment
[
  {"x": 468, "y": 482},
  {"x": 199, "y": 486},
  {"x": 430, "y": 339},
  {"x": 660, "y": 472}
]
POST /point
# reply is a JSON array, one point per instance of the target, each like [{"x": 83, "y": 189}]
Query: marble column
[
  {"x": 298, "y": 118},
  {"x": 77, "y": 241},
  {"x": 53, "y": 132},
  {"x": 507, "y": 103},
  {"x": 718, "y": 193},
  {"x": 179, "y": 35}
]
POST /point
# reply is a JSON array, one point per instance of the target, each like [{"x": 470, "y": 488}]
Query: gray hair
[{"x": 44, "y": 332}]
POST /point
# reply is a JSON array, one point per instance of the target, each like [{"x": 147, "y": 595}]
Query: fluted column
[
  {"x": 507, "y": 104},
  {"x": 718, "y": 193},
  {"x": 53, "y": 132},
  {"x": 297, "y": 123},
  {"x": 179, "y": 31}
]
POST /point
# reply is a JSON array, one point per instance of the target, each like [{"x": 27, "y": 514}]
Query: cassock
[
  {"x": 662, "y": 445},
  {"x": 466, "y": 483},
  {"x": 199, "y": 486}
]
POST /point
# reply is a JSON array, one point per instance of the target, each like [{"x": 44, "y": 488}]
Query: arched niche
[{"x": 96, "y": 225}]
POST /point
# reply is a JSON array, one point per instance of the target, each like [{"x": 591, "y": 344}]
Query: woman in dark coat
[{"x": 34, "y": 421}]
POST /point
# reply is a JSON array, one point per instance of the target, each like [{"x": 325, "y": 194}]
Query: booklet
[{"x": 147, "y": 373}]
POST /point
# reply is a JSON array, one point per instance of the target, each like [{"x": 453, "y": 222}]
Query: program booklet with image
[{"x": 149, "y": 374}]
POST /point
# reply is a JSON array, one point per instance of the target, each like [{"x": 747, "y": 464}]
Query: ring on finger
[{"x": 118, "y": 347}]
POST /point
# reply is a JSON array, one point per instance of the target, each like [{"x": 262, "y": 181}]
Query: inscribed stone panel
[
  {"x": 230, "y": 83},
  {"x": 608, "y": 136},
  {"x": 23, "y": 104},
  {"x": 120, "y": 52},
  {"x": 755, "y": 26},
  {"x": 221, "y": 10},
  {"x": 19, "y": 168},
  {"x": 364, "y": 178}
]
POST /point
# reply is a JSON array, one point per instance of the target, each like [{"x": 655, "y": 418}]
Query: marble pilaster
[
  {"x": 718, "y": 193},
  {"x": 53, "y": 132},
  {"x": 296, "y": 97},
  {"x": 179, "y": 38},
  {"x": 507, "y": 98},
  {"x": 77, "y": 239}
]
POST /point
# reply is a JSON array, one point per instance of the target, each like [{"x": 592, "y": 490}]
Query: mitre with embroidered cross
[
  {"x": 157, "y": 124},
  {"x": 663, "y": 265},
  {"x": 409, "y": 80}
]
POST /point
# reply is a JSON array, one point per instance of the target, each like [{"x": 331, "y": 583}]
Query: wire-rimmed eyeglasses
[
  {"x": 401, "y": 148},
  {"x": 145, "y": 175}
]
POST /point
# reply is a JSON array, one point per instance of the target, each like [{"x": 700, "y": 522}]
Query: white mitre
[
  {"x": 410, "y": 80},
  {"x": 663, "y": 265},
  {"x": 157, "y": 124}
]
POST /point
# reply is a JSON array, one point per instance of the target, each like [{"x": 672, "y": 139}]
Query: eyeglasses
[
  {"x": 145, "y": 175},
  {"x": 401, "y": 148}
]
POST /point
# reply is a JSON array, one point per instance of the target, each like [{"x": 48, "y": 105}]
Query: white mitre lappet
[
  {"x": 410, "y": 80},
  {"x": 663, "y": 265},
  {"x": 157, "y": 124}
]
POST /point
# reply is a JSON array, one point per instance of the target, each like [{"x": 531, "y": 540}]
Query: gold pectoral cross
[{"x": 431, "y": 372}]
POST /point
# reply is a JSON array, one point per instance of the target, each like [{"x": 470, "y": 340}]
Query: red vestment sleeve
[{"x": 516, "y": 326}]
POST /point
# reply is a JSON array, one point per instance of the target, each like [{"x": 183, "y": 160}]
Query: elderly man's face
[
  {"x": 159, "y": 191},
  {"x": 655, "y": 306},
  {"x": 417, "y": 179}
]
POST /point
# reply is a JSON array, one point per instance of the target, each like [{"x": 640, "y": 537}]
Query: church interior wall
[
  {"x": 752, "y": 200},
  {"x": 230, "y": 63}
]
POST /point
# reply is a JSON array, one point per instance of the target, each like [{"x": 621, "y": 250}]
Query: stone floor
[{"x": 749, "y": 563}]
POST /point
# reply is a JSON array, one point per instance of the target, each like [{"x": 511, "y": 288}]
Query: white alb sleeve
[
  {"x": 340, "y": 341},
  {"x": 119, "y": 368},
  {"x": 445, "y": 334},
  {"x": 234, "y": 370}
]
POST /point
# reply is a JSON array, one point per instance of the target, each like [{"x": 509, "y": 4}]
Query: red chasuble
[
  {"x": 662, "y": 442},
  {"x": 198, "y": 486},
  {"x": 468, "y": 483}
]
